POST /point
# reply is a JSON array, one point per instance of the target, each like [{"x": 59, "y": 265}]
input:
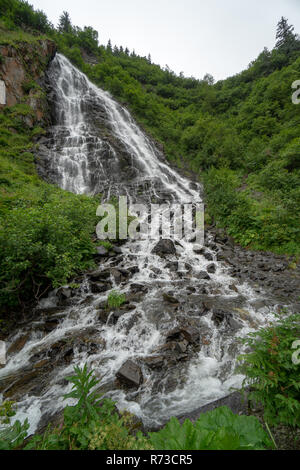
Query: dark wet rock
[
  {"x": 172, "y": 266},
  {"x": 191, "y": 335},
  {"x": 18, "y": 344},
  {"x": 41, "y": 364},
  {"x": 179, "y": 334},
  {"x": 201, "y": 309},
  {"x": 21, "y": 385},
  {"x": 117, "y": 249},
  {"x": 191, "y": 289},
  {"x": 50, "y": 325},
  {"x": 218, "y": 316},
  {"x": 103, "y": 315},
  {"x": 99, "y": 274},
  {"x": 130, "y": 374},
  {"x": 211, "y": 268},
  {"x": 133, "y": 269},
  {"x": 233, "y": 323},
  {"x": 173, "y": 334},
  {"x": 169, "y": 298},
  {"x": 208, "y": 256},
  {"x": 199, "y": 250},
  {"x": 233, "y": 287},
  {"x": 202, "y": 275},
  {"x": 154, "y": 362},
  {"x": 234, "y": 401},
  {"x": 136, "y": 287},
  {"x": 164, "y": 247},
  {"x": 117, "y": 275},
  {"x": 181, "y": 346},
  {"x": 98, "y": 287}
]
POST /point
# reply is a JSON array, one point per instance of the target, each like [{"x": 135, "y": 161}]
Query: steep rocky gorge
[{"x": 172, "y": 346}]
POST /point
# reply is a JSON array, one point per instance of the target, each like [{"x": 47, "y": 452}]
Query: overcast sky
[{"x": 219, "y": 37}]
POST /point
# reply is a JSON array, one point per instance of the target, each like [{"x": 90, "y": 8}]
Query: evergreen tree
[
  {"x": 127, "y": 51},
  {"x": 65, "y": 25},
  {"x": 149, "y": 58},
  {"x": 109, "y": 47},
  {"x": 286, "y": 38}
]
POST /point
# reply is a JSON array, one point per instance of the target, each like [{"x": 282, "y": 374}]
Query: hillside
[
  {"x": 155, "y": 324},
  {"x": 240, "y": 136}
]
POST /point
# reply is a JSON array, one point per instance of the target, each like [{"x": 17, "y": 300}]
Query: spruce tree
[
  {"x": 286, "y": 38},
  {"x": 65, "y": 25},
  {"x": 109, "y": 47}
]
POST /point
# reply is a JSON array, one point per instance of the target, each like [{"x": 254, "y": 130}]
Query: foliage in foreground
[
  {"x": 94, "y": 423},
  {"x": 272, "y": 373},
  {"x": 219, "y": 429}
]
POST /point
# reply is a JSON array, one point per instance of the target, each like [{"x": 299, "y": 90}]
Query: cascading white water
[{"x": 84, "y": 156}]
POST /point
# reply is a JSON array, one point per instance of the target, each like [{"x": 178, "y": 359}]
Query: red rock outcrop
[{"x": 22, "y": 64}]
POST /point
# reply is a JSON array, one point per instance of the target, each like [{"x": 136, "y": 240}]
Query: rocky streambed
[{"x": 169, "y": 348}]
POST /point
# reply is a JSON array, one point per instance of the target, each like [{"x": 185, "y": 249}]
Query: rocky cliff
[{"x": 22, "y": 68}]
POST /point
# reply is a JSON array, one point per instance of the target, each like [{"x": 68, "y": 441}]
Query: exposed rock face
[{"x": 18, "y": 69}]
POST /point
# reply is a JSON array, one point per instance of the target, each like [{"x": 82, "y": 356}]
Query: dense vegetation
[
  {"x": 271, "y": 368},
  {"x": 93, "y": 423},
  {"x": 240, "y": 135}
]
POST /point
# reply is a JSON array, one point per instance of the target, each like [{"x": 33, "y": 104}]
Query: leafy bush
[
  {"x": 11, "y": 436},
  {"x": 45, "y": 245},
  {"x": 270, "y": 371},
  {"x": 219, "y": 429},
  {"x": 92, "y": 423}
]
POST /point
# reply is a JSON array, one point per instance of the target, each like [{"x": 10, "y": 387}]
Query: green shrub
[
  {"x": 272, "y": 374},
  {"x": 115, "y": 299},
  {"x": 219, "y": 429},
  {"x": 45, "y": 245},
  {"x": 92, "y": 423}
]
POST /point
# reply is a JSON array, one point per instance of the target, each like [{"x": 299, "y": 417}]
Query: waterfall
[{"x": 94, "y": 145}]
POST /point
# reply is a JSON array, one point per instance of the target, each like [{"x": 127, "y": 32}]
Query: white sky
[{"x": 220, "y": 37}]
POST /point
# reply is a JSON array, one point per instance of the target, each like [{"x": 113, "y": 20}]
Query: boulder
[
  {"x": 130, "y": 374},
  {"x": 202, "y": 275},
  {"x": 164, "y": 247},
  {"x": 211, "y": 268},
  {"x": 97, "y": 287}
]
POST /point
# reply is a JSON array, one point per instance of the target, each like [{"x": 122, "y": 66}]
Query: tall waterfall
[{"x": 96, "y": 146}]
